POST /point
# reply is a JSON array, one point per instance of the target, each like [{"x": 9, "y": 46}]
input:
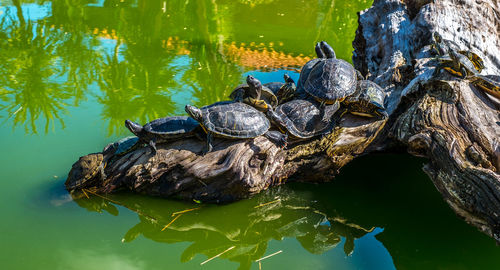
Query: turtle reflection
[{"x": 270, "y": 217}]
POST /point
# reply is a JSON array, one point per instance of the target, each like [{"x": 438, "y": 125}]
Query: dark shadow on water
[{"x": 379, "y": 191}]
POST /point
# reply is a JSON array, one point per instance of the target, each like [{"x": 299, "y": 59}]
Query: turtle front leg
[
  {"x": 327, "y": 111},
  {"x": 210, "y": 138},
  {"x": 152, "y": 145},
  {"x": 463, "y": 72},
  {"x": 277, "y": 138},
  {"x": 275, "y": 119}
]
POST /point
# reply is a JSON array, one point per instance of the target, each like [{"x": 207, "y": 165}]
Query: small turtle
[
  {"x": 302, "y": 118},
  {"x": 475, "y": 59},
  {"x": 163, "y": 130},
  {"x": 488, "y": 83},
  {"x": 368, "y": 100},
  {"x": 121, "y": 146},
  {"x": 283, "y": 91},
  {"x": 84, "y": 171},
  {"x": 234, "y": 120},
  {"x": 441, "y": 47},
  {"x": 91, "y": 166},
  {"x": 457, "y": 64},
  {"x": 254, "y": 94}
]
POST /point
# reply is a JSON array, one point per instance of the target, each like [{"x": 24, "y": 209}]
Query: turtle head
[
  {"x": 319, "y": 51},
  {"x": 288, "y": 79},
  {"x": 255, "y": 87},
  {"x": 327, "y": 50},
  {"x": 194, "y": 112},
  {"x": 287, "y": 90},
  {"x": 133, "y": 127},
  {"x": 437, "y": 37},
  {"x": 454, "y": 57}
]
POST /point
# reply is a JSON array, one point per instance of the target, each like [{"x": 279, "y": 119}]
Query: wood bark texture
[
  {"x": 438, "y": 116},
  {"x": 446, "y": 119}
]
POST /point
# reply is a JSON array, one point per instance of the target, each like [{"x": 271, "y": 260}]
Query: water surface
[{"x": 72, "y": 71}]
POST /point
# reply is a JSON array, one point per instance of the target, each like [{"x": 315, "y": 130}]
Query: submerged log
[{"x": 438, "y": 116}]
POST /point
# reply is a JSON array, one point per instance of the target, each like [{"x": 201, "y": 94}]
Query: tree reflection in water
[
  {"x": 275, "y": 215},
  {"x": 146, "y": 59},
  {"x": 29, "y": 88}
]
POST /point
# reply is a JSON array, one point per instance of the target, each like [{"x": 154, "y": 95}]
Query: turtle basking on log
[
  {"x": 488, "y": 83},
  {"x": 441, "y": 46},
  {"x": 234, "y": 120},
  {"x": 163, "y": 130},
  {"x": 283, "y": 91},
  {"x": 330, "y": 80},
  {"x": 91, "y": 167},
  {"x": 367, "y": 101},
  {"x": 254, "y": 94},
  {"x": 457, "y": 64}
]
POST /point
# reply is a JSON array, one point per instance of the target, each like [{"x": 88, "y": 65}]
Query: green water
[{"x": 72, "y": 71}]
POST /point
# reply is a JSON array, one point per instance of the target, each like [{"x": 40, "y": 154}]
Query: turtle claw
[{"x": 152, "y": 146}]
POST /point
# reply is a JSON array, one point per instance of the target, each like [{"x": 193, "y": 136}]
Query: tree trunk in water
[{"x": 446, "y": 119}]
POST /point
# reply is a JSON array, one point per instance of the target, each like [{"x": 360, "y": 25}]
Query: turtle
[
  {"x": 91, "y": 166},
  {"x": 307, "y": 68},
  {"x": 283, "y": 91},
  {"x": 441, "y": 47},
  {"x": 474, "y": 58},
  {"x": 254, "y": 94},
  {"x": 457, "y": 64},
  {"x": 302, "y": 118},
  {"x": 163, "y": 130},
  {"x": 488, "y": 83},
  {"x": 367, "y": 101},
  {"x": 234, "y": 120},
  {"x": 330, "y": 80}
]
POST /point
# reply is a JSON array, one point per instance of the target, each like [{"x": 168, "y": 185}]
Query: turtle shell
[
  {"x": 467, "y": 63},
  {"x": 266, "y": 94},
  {"x": 488, "y": 83},
  {"x": 367, "y": 100},
  {"x": 302, "y": 118},
  {"x": 304, "y": 73},
  {"x": 331, "y": 80},
  {"x": 476, "y": 60},
  {"x": 273, "y": 86},
  {"x": 83, "y": 171},
  {"x": 171, "y": 127},
  {"x": 234, "y": 120},
  {"x": 449, "y": 65},
  {"x": 120, "y": 146}
]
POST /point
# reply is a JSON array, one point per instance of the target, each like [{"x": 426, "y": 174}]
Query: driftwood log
[{"x": 435, "y": 115}]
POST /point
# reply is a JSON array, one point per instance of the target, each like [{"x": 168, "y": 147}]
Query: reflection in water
[
  {"x": 29, "y": 88},
  {"x": 147, "y": 59},
  {"x": 380, "y": 219},
  {"x": 275, "y": 215}
]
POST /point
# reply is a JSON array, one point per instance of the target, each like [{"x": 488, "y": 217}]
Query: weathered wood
[
  {"x": 440, "y": 117},
  {"x": 235, "y": 169},
  {"x": 433, "y": 115}
]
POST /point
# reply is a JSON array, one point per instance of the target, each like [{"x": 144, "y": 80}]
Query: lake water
[{"x": 73, "y": 71}]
